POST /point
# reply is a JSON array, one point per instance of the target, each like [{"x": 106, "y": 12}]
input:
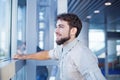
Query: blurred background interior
[{"x": 27, "y": 26}]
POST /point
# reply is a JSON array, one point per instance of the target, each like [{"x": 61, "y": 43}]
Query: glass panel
[
  {"x": 41, "y": 16},
  {"x": 41, "y": 25},
  {"x": 41, "y": 35},
  {"x": 42, "y": 11},
  {"x": 47, "y": 72},
  {"x": 20, "y": 75},
  {"x": 5, "y": 15},
  {"x": 118, "y": 47},
  {"x": 21, "y": 22},
  {"x": 44, "y": 2},
  {"x": 41, "y": 44},
  {"x": 113, "y": 57},
  {"x": 21, "y": 27},
  {"x": 97, "y": 37},
  {"x": 97, "y": 45},
  {"x": 46, "y": 10},
  {"x": 41, "y": 73}
]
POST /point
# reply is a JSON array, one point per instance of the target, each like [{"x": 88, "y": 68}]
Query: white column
[
  {"x": 62, "y": 6},
  {"x": 31, "y": 32},
  {"x": 31, "y": 37}
]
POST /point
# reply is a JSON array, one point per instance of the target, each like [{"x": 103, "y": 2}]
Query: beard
[{"x": 63, "y": 40}]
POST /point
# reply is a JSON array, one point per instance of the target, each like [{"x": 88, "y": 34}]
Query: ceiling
[{"x": 84, "y": 8}]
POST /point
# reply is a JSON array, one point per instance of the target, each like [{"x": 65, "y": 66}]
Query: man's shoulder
[{"x": 81, "y": 52}]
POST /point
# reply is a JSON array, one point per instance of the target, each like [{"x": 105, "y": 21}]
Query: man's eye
[{"x": 61, "y": 26}]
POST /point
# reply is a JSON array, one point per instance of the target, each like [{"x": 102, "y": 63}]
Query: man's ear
[{"x": 73, "y": 31}]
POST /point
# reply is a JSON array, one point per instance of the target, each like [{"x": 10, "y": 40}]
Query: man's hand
[
  {"x": 42, "y": 55},
  {"x": 19, "y": 56}
]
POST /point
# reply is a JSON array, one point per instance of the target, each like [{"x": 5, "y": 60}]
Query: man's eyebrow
[{"x": 60, "y": 25}]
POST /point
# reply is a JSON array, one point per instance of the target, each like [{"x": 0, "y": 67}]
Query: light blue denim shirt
[{"x": 76, "y": 62}]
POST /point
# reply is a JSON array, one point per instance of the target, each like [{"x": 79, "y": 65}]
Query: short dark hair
[{"x": 73, "y": 21}]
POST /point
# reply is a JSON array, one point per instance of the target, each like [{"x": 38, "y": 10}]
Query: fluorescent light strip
[
  {"x": 88, "y": 17},
  {"x": 96, "y": 11},
  {"x": 108, "y": 3}
]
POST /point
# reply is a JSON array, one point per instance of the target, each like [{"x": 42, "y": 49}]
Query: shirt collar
[{"x": 69, "y": 46}]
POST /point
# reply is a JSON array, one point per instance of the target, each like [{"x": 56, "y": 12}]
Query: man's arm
[{"x": 42, "y": 55}]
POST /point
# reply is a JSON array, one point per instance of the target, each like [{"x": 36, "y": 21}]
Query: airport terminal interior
[{"x": 28, "y": 26}]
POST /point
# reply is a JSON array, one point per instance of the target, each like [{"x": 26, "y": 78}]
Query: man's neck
[{"x": 67, "y": 42}]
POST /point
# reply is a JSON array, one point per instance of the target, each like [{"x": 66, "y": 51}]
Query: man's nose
[{"x": 57, "y": 30}]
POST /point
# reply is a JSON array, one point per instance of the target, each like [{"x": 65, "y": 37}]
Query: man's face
[{"x": 62, "y": 32}]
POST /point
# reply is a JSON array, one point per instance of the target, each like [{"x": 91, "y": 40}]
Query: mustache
[{"x": 58, "y": 34}]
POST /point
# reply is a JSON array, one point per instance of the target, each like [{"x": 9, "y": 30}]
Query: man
[{"x": 76, "y": 61}]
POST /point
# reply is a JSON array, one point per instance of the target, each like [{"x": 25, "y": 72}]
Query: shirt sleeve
[
  {"x": 54, "y": 53},
  {"x": 91, "y": 72},
  {"x": 93, "y": 75},
  {"x": 87, "y": 64}
]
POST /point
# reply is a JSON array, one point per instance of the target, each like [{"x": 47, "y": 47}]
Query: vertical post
[
  {"x": 52, "y": 22},
  {"x": 106, "y": 45},
  {"x": 14, "y": 27},
  {"x": 62, "y": 8},
  {"x": 31, "y": 37}
]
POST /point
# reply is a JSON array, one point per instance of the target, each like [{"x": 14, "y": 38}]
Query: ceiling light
[
  {"x": 96, "y": 11},
  {"x": 88, "y": 17},
  {"x": 108, "y": 3}
]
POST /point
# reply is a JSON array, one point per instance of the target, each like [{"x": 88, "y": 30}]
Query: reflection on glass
[
  {"x": 41, "y": 16},
  {"x": 118, "y": 47},
  {"x": 20, "y": 75},
  {"x": 41, "y": 40},
  {"x": 21, "y": 22},
  {"x": 97, "y": 37},
  {"x": 41, "y": 44},
  {"x": 5, "y": 15},
  {"x": 41, "y": 35},
  {"x": 21, "y": 27},
  {"x": 41, "y": 25},
  {"x": 21, "y": 47}
]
